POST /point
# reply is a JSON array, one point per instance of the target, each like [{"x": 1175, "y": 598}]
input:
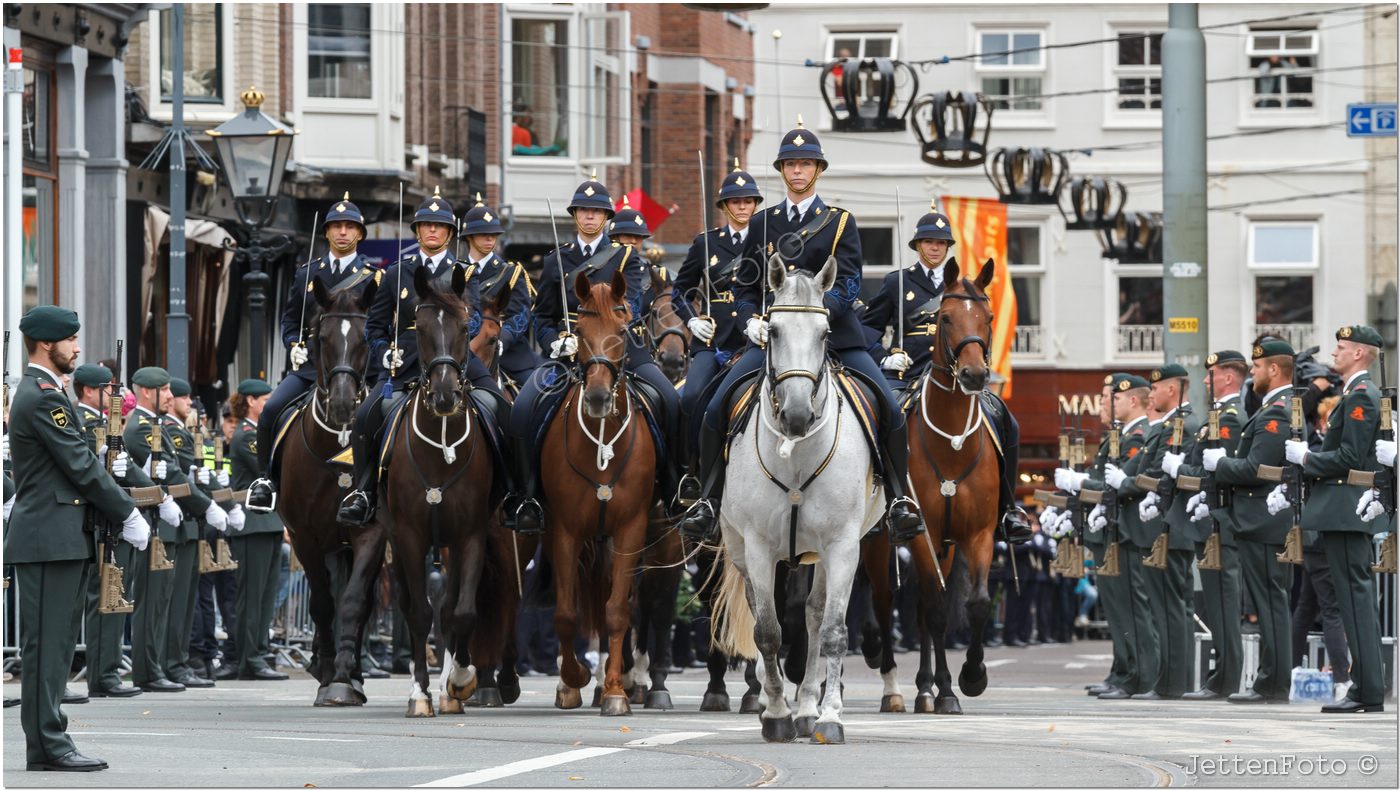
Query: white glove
[
  {"x": 200, "y": 474},
  {"x": 158, "y": 473},
  {"x": 136, "y": 531},
  {"x": 9, "y": 505},
  {"x": 1069, "y": 480},
  {"x": 1385, "y": 452},
  {"x": 898, "y": 361},
  {"x": 757, "y": 331},
  {"x": 1114, "y": 476},
  {"x": 1065, "y": 524},
  {"x": 1171, "y": 463},
  {"x": 1211, "y": 457},
  {"x": 1277, "y": 500},
  {"x": 1097, "y": 520},
  {"x": 563, "y": 346},
  {"x": 5, "y": 445},
  {"x": 222, "y": 477},
  {"x": 1370, "y": 505},
  {"x": 393, "y": 359},
  {"x": 170, "y": 512},
  {"x": 237, "y": 518},
  {"x": 1295, "y": 450},
  {"x": 216, "y": 517},
  {"x": 119, "y": 465},
  {"x": 299, "y": 355},
  {"x": 1049, "y": 516},
  {"x": 1150, "y": 506},
  {"x": 1196, "y": 507},
  {"x": 701, "y": 328}
]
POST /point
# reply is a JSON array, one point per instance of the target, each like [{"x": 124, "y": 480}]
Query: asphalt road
[{"x": 1033, "y": 726}]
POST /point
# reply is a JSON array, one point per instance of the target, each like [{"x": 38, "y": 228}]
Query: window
[
  {"x": 1011, "y": 68},
  {"x": 1283, "y": 257},
  {"x": 862, "y": 45},
  {"x": 877, "y": 248},
  {"x": 338, "y": 51},
  {"x": 607, "y": 101},
  {"x": 540, "y": 85},
  {"x": 39, "y": 254},
  {"x": 1283, "y": 244},
  {"x": 1027, "y": 266},
  {"x": 1277, "y": 57},
  {"x": 203, "y": 48},
  {"x": 1139, "y": 70},
  {"x": 1140, "y": 314},
  {"x": 37, "y": 104}
]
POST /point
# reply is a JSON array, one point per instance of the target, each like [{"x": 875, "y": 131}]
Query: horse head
[
  {"x": 441, "y": 319},
  {"x": 797, "y": 344},
  {"x": 963, "y": 346},
  {"x": 603, "y": 316},
  {"x": 486, "y": 345},
  {"x": 341, "y": 350},
  {"x": 669, "y": 336}
]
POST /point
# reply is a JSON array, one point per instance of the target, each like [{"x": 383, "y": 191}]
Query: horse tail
[
  {"x": 731, "y": 619},
  {"x": 594, "y": 575},
  {"x": 959, "y": 591}
]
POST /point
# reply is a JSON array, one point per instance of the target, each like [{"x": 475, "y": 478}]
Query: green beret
[
  {"x": 1122, "y": 382},
  {"x": 151, "y": 378},
  {"x": 179, "y": 388},
  {"x": 1272, "y": 348},
  {"x": 1171, "y": 370},
  {"x": 1227, "y": 355},
  {"x": 91, "y": 375},
  {"x": 1360, "y": 333},
  {"x": 49, "y": 323},
  {"x": 252, "y": 388}
]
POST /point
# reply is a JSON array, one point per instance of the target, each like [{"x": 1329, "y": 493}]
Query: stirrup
[
  {"x": 698, "y": 525},
  {"x": 351, "y": 500},
  {"x": 1015, "y": 525},
  {"x": 534, "y": 508},
  {"x": 689, "y": 483},
  {"x": 262, "y": 497},
  {"x": 899, "y": 533}
]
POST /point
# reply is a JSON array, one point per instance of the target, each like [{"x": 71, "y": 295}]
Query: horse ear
[
  {"x": 502, "y": 303},
  {"x": 582, "y": 287},
  {"x": 776, "y": 273},
  {"x": 619, "y": 284},
  {"x": 320, "y": 292},
  {"x": 951, "y": 273},
  {"x": 420, "y": 282},
  {"x": 367, "y": 295},
  {"x": 988, "y": 273},
  {"x": 827, "y": 276},
  {"x": 459, "y": 279},
  {"x": 658, "y": 278}
]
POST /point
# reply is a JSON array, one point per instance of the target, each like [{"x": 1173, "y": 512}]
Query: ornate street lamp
[{"x": 253, "y": 151}]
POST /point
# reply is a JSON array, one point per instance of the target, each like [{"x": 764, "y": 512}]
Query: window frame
[
  {"x": 569, "y": 161},
  {"x": 1119, "y": 272},
  {"x": 1257, "y": 117},
  {"x": 1253, "y": 270},
  {"x": 304, "y": 59},
  {"x": 1257, "y": 267},
  {"x": 1008, "y": 118},
  {"x": 862, "y": 32},
  {"x": 621, "y": 65},
  {"x": 196, "y": 112},
  {"x": 1116, "y": 117},
  {"x": 1039, "y": 272}
]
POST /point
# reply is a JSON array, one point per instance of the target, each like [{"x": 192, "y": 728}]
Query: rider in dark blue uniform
[
  {"x": 718, "y": 331},
  {"x": 804, "y": 231},
  {"x": 341, "y": 268},
  {"x": 922, "y": 294},
  {"x": 393, "y": 341},
  {"x": 593, "y": 255}
]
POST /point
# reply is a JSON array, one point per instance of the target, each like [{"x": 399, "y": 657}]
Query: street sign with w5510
[{"x": 1371, "y": 120}]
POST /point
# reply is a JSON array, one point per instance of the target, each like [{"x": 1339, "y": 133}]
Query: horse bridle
[
  {"x": 426, "y": 372},
  {"x": 656, "y": 337},
  {"x": 355, "y": 374},
  {"x": 582, "y": 367},
  {"x": 951, "y": 354},
  {"x": 775, "y": 378}
]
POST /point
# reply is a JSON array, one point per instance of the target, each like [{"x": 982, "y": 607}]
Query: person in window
[
  {"x": 1268, "y": 82},
  {"x": 522, "y": 135}
]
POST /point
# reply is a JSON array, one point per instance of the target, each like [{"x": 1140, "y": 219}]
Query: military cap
[
  {"x": 1272, "y": 347},
  {"x": 252, "y": 388},
  {"x": 933, "y": 225},
  {"x": 628, "y": 222},
  {"x": 91, "y": 375},
  {"x": 738, "y": 184},
  {"x": 1227, "y": 355},
  {"x": 1171, "y": 370},
  {"x": 49, "y": 323},
  {"x": 800, "y": 143},
  {"x": 434, "y": 209},
  {"x": 592, "y": 194},
  {"x": 481, "y": 220},
  {"x": 1360, "y": 333},
  {"x": 151, "y": 377},
  {"x": 180, "y": 388},
  {"x": 1122, "y": 382},
  {"x": 345, "y": 211}
]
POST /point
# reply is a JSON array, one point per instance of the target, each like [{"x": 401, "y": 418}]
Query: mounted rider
[
  {"x": 922, "y": 294},
  {"x": 804, "y": 231}
]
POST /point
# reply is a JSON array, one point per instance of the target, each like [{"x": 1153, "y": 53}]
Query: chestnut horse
[
  {"x": 598, "y": 475},
  {"x": 314, "y": 436}
]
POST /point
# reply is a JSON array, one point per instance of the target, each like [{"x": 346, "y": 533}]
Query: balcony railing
[
  {"x": 1028, "y": 341},
  {"x": 1300, "y": 336},
  {"x": 1140, "y": 339}
]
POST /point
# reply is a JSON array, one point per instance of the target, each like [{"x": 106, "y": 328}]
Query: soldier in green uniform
[
  {"x": 153, "y": 590},
  {"x": 1352, "y": 431},
  {"x": 1259, "y": 535},
  {"x": 1226, "y": 372},
  {"x": 258, "y": 545},
  {"x": 56, "y": 478}
]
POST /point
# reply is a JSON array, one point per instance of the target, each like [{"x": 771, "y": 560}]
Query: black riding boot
[
  {"x": 701, "y": 521},
  {"x": 523, "y": 511},
  {"x": 903, "y": 514},
  {"x": 1014, "y": 521},
  {"x": 262, "y": 496},
  {"x": 357, "y": 509}
]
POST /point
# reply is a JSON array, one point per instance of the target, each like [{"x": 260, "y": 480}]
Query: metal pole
[
  {"x": 1185, "y": 294},
  {"x": 177, "y": 321},
  {"x": 14, "y": 188}
]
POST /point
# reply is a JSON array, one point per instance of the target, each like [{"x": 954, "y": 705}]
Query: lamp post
[{"x": 253, "y": 151}]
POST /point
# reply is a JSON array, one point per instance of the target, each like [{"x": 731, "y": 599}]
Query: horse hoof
[
  {"x": 568, "y": 699},
  {"x": 342, "y": 695},
  {"x": 419, "y": 709},
  {"x": 616, "y": 705},
  {"x": 948, "y": 706},
  {"x": 321, "y": 697},
  {"x": 448, "y": 705},
  {"x": 892, "y": 703},
  {"x": 829, "y": 732},
  {"x": 925, "y": 703},
  {"x": 779, "y": 730},
  {"x": 715, "y": 702},
  {"x": 597, "y": 696},
  {"x": 805, "y": 726},
  {"x": 659, "y": 700},
  {"x": 638, "y": 694},
  {"x": 751, "y": 704},
  {"x": 357, "y": 688},
  {"x": 462, "y": 692},
  {"x": 973, "y": 685},
  {"x": 489, "y": 698},
  {"x": 510, "y": 692}
]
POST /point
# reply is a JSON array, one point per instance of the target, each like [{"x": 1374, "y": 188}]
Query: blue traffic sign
[{"x": 1371, "y": 120}]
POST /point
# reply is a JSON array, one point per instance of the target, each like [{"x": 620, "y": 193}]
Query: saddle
[
  {"x": 850, "y": 385},
  {"x": 297, "y": 407},
  {"x": 994, "y": 415},
  {"x": 552, "y": 399},
  {"x": 492, "y": 411}
]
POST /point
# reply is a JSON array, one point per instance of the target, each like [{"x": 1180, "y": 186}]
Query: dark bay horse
[
  {"x": 487, "y": 343},
  {"x": 966, "y": 466},
  {"x": 314, "y": 486},
  {"x": 666, "y": 330},
  {"x": 438, "y": 496},
  {"x": 598, "y": 474}
]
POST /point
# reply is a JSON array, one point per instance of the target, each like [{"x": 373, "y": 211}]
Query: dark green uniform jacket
[
  {"x": 1261, "y": 444},
  {"x": 1349, "y": 444}
]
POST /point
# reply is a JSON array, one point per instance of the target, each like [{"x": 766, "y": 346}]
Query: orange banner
[{"x": 979, "y": 227}]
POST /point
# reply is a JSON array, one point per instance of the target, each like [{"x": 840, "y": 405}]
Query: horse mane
[
  {"x": 450, "y": 302},
  {"x": 802, "y": 286},
  {"x": 595, "y": 300}
]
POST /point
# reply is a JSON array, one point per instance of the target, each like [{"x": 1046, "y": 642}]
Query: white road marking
[
  {"x": 292, "y": 738},
  {"x": 666, "y": 739},
  {"x": 999, "y": 662},
  {"x": 86, "y": 733},
  {"x": 1075, "y": 665},
  {"x": 521, "y": 767}
]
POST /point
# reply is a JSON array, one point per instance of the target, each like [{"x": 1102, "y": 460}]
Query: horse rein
[
  {"x": 950, "y": 355},
  {"x": 774, "y": 378},
  {"x": 581, "y": 368},
  {"x": 342, "y": 432},
  {"x": 442, "y": 359}
]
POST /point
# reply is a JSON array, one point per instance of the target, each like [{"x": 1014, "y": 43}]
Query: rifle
[
  {"x": 159, "y": 560},
  {"x": 1077, "y": 462},
  {"x": 1292, "y": 476},
  {"x": 1108, "y": 497},
  {"x": 1165, "y": 486},
  {"x": 1383, "y": 480},
  {"x": 218, "y": 557},
  {"x": 109, "y": 573},
  {"x": 1216, "y": 496},
  {"x": 5, "y": 397}
]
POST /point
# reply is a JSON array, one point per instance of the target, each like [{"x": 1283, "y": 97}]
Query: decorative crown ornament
[
  {"x": 252, "y": 97},
  {"x": 1028, "y": 176},
  {"x": 869, "y": 94},
  {"x": 1095, "y": 202},
  {"x": 949, "y": 131},
  {"x": 1135, "y": 237}
]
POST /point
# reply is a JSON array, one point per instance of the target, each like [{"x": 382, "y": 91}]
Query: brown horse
[
  {"x": 438, "y": 497},
  {"x": 967, "y": 467},
  {"x": 666, "y": 330},
  {"x": 487, "y": 345},
  {"x": 599, "y": 485},
  {"x": 313, "y": 437}
]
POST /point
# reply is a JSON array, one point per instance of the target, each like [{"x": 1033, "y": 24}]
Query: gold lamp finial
[{"x": 252, "y": 98}]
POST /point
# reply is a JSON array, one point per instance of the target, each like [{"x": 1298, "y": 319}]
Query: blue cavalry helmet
[
  {"x": 592, "y": 194},
  {"x": 738, "y": 184},
  {"x": 628, "y": 222},
  {"x": 800, "y": 143},
  {"x": 481, "y": 221},
  {"x": 434, "y": 209},
  {"x": 345, "y": 211},
  {"x": 932, "y": 225}
]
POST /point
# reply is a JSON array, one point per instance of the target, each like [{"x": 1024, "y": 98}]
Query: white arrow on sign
[{"x": 1361, "y": 119}]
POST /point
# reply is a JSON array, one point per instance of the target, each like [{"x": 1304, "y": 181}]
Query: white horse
[{"x": 800, "y": 485}]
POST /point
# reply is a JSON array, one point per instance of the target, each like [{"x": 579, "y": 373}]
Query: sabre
[
  {"x": 398, "y": 296},
  {"x": 765, "y": 251},
  {"x": 311, "y": 249},
  {"x": 559, "y": 259},
  {"x": 705, "y": 233},
  {"x": 899, "y": 269}
]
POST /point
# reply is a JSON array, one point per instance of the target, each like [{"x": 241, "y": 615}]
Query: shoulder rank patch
[
  {"x": 1358, "y": 414},
  {"x": 1224, "y": 432},
  {"x": 1271, "y": 426},
  {"x": 60, "y": 417},
  {"x": 47, "y": 385}
]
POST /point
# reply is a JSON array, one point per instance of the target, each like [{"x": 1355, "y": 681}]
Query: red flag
[
  {"x": 979, "y": 226},
  {"x": 654, "y": 213}
]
